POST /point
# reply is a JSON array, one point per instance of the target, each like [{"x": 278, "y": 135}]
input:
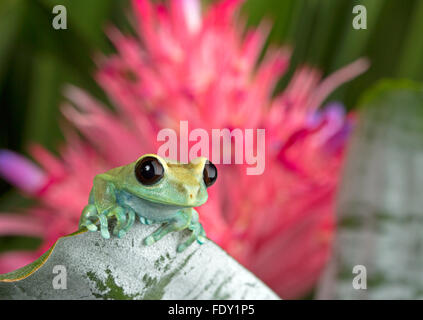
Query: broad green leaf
[
  {"x": 29, "y": 269},
  {"x": 125, "y": 268}
]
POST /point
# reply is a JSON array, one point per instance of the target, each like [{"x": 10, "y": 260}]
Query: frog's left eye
[{"x": 149, "y": 171}]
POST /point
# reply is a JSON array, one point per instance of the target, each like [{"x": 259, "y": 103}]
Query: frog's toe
[
  {"x": 104, "y": 231},
  {"x": 121, "y": 233},
  {"x": 89, "y": 218},
  {"x": 149, "y": 240},
  {"x": 91, "y": 227},
  {"x": 146, "y": 221},
  {"x": 104, "y": 226},
  {"x": 105, "y": 234},
  {"x": 116, "y": 231},
  {"x": 181, "y": 247},
  {"x": 201, "y": 239},
  {"x": 130, "y": 220},
  {"x": 186, "y": 244},
  {"x": 121, "y": 227}
]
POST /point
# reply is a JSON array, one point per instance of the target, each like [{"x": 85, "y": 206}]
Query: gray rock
[{"x": 127, "y": 269}]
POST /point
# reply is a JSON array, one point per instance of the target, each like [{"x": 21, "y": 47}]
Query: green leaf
[
  {"x": 10, "y": 16},
  {"x": 45, "y": 96},
  {"x": 29, "y": 269},
  {"x": 86, "y": 18},
  {"x": 125, "y": 268},
  {"x": 411, "y": 64},
  {"x": 352, "y": 43}
]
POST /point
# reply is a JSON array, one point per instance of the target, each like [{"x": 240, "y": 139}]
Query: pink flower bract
[{"x": 203, "y": 67}]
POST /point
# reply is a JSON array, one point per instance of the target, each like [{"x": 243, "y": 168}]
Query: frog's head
[{"x": 168, "y": 182}]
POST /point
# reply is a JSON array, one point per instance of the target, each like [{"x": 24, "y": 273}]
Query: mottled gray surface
[
  {"x": 380, "y": 206},
  {"x": 127, "y": 269}
]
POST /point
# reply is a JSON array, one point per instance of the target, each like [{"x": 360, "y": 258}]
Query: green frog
[{"x": 155, "y": 189}]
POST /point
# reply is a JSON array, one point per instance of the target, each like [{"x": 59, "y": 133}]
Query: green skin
[{"x": 117, "y": 194}]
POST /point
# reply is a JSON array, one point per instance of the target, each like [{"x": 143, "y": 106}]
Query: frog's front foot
[
  {"x": 125, "y": 218},
  {"x": 161, "y": 232},
  {"x": 197, "y": 229},
  {"x": 90, "y": 218},
  {"x": 198, "y": 234}
]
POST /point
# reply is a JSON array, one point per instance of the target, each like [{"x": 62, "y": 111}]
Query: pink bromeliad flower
[{"x": 202, "y": 67}]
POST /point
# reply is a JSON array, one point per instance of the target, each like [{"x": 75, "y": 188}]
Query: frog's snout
[{"x": 192, "y": 192}]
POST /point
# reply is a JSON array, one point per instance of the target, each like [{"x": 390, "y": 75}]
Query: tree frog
[{"x": 155, "y": 189}]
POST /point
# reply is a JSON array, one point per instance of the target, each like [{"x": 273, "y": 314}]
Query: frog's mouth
[
  {"x": 190, "y": 203},
  {"x": 152, "y": 208},
  {"x": 159, "y": 203},
  {"x": 174, "y": 196}
]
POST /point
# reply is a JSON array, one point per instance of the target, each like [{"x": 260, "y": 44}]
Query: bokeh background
[{"x": 36, "y": 62}]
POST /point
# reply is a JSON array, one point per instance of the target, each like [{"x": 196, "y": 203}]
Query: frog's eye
[
  {"x": 209, "y": 174},
  {"x": 149, "y": 170}
]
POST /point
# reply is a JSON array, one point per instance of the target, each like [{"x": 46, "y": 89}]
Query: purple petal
[{"x": 21, "y": 172}]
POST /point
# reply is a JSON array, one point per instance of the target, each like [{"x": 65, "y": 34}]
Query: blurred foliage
[
  {"x": 322, "y": 35},
  {"x": 37, "y": 61}
]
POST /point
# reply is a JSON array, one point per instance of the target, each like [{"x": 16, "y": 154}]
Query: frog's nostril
[{"x": 191, "y": 192}]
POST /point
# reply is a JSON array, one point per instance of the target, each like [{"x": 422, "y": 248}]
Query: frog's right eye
[
  {"x": 149, "y": 171},
  {"x": 209, "y": 174}
]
